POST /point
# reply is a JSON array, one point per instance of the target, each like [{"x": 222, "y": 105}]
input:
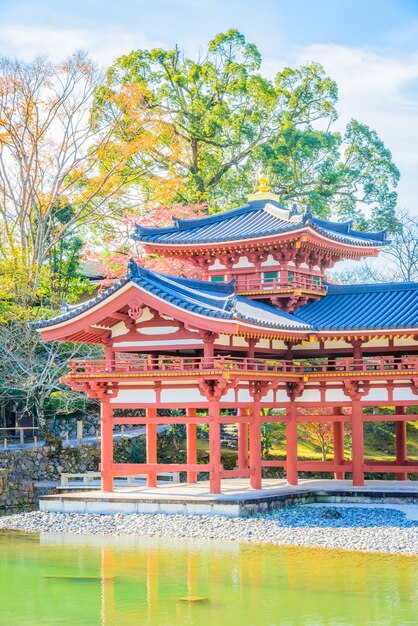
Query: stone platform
[{"x": 236, "y": 500}]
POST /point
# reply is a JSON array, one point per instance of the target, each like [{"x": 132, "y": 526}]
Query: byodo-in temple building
[{"x": 262, "y": 338}]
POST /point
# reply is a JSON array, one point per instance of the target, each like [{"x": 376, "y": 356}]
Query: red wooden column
[
  {"x": 151, "y": 445},
  {"x": 338, "y": 428},
  {"x": 357, "y": 442},
  {"x": 214, "y": 445},
  {"x": 109, "y": 355},
  {"x": 208, "y": 348},
  {"x": 106, "y": 444},
  {"x": 191, "y": 446},
  {"x": 291, "y": 444},
  {"x": 401, "y": 449},
  {"x": 243, "y": 441},
  {"x": 255, "y": 444}
]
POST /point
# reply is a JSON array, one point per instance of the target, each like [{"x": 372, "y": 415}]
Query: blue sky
[{"x": 370, "y": 47}]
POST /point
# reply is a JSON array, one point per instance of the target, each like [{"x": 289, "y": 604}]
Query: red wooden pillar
[
  {"x": 291, "y": 445},
  {"x": 109, "y": 356},
  {"x": 208, "y": 349},
  {"x": 214, "y": 446},
  {"x": 243, "y": 441},
  {"x": 357, "y": 452},
  {"x": 401, "y": 449},
  {"x": 106, "y": 445},
  {"x": 255, "y": 446},
  {"x": 151, "y": 446},
  {"x": 251, "y": 350},
  {"x": 191, "y": 446},
  {"x": 338, "y": 444}
]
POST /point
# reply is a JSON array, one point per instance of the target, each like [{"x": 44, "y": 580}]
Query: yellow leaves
[{"x": 164, "y": 190}]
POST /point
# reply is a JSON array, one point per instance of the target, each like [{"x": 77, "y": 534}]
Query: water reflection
[{"x": 154, "y": 582}]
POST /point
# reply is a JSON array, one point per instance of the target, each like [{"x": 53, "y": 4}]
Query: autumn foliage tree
[
  {"x": 320, "y": 433},
  {"x": 60, "y": 172},
  {"x": 112, "y": 250}
]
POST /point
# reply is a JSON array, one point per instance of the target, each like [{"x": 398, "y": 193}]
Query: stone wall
[
  {"x": 15, "y": 493},
  {"x": 62, "y": 425},
  {"x": 48, "y": 462}
]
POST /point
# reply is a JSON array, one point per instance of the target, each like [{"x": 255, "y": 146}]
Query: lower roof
[
  {"x": 364, "y": 307},
  {"x": 344, "y": 307},
  {"x": 213, "y": 300}
]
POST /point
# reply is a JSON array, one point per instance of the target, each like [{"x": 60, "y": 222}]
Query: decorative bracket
[
  {"x": 294, "y": 389},
  {"x": 258, "y": 389},
  {"x": 355, "y": 389}
]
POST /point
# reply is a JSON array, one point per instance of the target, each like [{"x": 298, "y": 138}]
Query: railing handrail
[
  {"x": 303, "y": 366},
  {"x": 298, "y": 282}
]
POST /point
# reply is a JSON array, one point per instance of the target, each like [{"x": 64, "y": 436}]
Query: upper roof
[
  {"x": 364, "y": 307},
  {"x": 258, "y": 218},
  {"x": 213, "y": 300}
]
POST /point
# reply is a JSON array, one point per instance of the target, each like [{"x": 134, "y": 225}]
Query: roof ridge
[{"x": 226, "y": 287}]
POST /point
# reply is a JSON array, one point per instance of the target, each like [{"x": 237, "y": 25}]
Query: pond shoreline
[{"x": 366, "y": 530}]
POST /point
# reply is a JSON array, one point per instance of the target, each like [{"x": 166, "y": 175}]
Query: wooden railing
[
  {"x": 234, "y": 364},
  {"x": 244, "y": 284}
]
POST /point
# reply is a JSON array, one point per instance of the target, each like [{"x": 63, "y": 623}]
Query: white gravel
[{"x": 375, "y": 530}]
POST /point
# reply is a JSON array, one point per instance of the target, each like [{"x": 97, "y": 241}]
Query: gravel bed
[{"x": 371, "y": 529}]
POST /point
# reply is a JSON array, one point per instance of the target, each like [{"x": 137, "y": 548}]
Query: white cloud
[
  {"x": 26, "y": 42},
  {"x": 373, "y": 88}
]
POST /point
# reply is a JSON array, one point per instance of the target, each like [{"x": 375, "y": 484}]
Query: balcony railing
[
  {"x": 304, "y": 283},
  {"x": 187, "y": 365}
]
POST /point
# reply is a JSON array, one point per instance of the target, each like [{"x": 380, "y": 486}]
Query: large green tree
[{"x": 229, "y": 121}]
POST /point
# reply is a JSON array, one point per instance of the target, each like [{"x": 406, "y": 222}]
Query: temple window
[
  {"x": 217, "y": 279},
  {"x": 290, "y": 277},
  {"x": 270, "y": 277}
]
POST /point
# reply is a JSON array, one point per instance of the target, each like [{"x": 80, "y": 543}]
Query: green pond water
[{"x": 51, "y": 579}]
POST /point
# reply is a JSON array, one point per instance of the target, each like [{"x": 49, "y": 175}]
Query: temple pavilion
[{"x": 264, "y": 337}]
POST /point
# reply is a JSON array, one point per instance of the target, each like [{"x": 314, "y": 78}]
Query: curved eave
[
  {"x": 84, "y": 324},
  {"x": 371, "y": 248}
]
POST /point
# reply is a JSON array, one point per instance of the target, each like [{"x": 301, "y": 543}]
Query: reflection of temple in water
[{"x": 156, "y": 582}]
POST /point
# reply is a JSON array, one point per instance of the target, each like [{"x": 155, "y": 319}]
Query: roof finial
[
  {"x": 307, "y": 216},
  {"x": 263, "y": 183}
]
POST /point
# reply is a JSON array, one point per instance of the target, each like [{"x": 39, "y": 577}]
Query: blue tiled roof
[
  {"x": 214, "y": 300},
  {"x": 364, "y": 307},
  {"x": 253, "y": 220}
]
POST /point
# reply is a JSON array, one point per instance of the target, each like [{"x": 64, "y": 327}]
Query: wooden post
[
  {"x": 106, "y": 445},
  {"x": 357, "y": 443},
  {"x": 109, "y": 356},
  {"x": 291, "y": 445},
  {"x": 151, "y": 445},
  {"x": 208, "y": 349},
  {"x": 191, "y": 446},
  {"x": 214, "y": 446},
  {"x": 243, "y": 441},
  {"x": 401, "y": 447},
  {"x": 338, "y": 444},
  {"x": 255, "y": 446}
]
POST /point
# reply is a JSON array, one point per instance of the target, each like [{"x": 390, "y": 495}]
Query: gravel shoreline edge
[{"x": 374, "y": 530}]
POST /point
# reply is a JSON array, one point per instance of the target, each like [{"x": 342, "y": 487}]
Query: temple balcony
[
  {"x": 286, "y": 290},
  {"x": 259, "y": 285}
]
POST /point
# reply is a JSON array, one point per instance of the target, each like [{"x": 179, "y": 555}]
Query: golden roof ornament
[{"x": 263, "y": 184}]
